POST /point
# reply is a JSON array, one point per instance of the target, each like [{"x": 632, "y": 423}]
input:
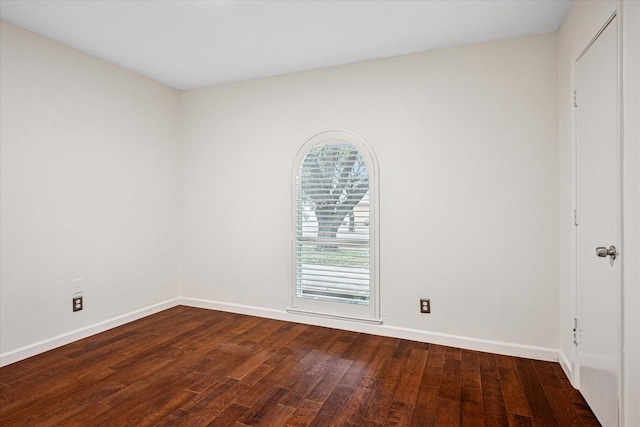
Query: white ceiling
[{"x": 189, "y": 44}]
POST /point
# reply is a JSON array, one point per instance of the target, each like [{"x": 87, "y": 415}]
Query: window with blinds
[{"x": 333, "y": 218}]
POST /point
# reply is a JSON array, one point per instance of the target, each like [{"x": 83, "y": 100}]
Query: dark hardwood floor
[{"x": 189, "y": 367}]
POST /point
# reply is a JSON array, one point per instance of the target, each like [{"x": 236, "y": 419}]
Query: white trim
[
  {"x": 469, "y": 343},
  {"x": 49, "y": 344},
  {"x": 334, "y": 316},
  {"x": 490, "y": 346},
  {"x": 267, "y": 313},
  {"x": 314, "y": 307},
  {"x": 566, "y": 365}
]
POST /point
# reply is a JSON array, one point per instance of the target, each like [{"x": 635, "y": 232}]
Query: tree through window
[{"x": 333, "y": 224}]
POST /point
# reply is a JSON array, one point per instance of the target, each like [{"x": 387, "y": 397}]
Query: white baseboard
[
  {"x": 49, "y": 344},
  {"x": 498, "y": 347},
  {"x": 567, "y": 367}
]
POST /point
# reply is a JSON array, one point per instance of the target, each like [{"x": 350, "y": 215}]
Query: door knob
[{"x": 603, "y": 252}]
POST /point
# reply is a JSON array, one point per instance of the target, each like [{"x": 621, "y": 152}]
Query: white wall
[
  {"x": 467, "y": 145},
  {"x": 89, "y": 189},
  {"x": 583, "y": 19}
]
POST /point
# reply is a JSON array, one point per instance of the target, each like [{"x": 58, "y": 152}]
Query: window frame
[{"x": 329, "y": 309}]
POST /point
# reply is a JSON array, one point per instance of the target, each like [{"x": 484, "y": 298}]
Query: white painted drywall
[
  {"x": 466, "y": 140},
  {"x": 89, "y": 189},
  {"x": 583, "y": 19}
]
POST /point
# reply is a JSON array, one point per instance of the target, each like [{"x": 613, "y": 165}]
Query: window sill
[{"x": 335, "y": 316}]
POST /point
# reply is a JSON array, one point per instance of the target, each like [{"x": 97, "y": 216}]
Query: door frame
[{"x": 592, "y": 35}]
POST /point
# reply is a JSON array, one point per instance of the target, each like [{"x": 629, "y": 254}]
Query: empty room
[{"x": 327, "y": 213}]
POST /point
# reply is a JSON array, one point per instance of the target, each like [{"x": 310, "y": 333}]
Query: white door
[{"x": 598, "y": 225}]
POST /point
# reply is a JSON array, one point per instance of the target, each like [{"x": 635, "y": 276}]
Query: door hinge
[
  {"x": 575, "y": 331},
  {"x": 575, "y": 217},
  {"x": 575, "y": 98}
]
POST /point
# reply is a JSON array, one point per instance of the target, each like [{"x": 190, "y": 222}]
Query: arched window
[{"x": 335, "y": 228}]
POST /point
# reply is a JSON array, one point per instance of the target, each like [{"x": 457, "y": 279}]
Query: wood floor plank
[
  {"x": 435, "y": 363},
  {"x": 159, "y": 368},
  {"x": 547, "y": 374},
  {"x": 383, "y": 398},
  {"x": 80, "y": 416},
  {"x": 60, "y": 407},
  {"x": 193, "y": 367},
  {"x": 399, "y": 414},
  {"x": 505, "y": 361},
  {"x": 155, "y": 410},
  {"x": 471, "y": 407},
  {"x": 206, "y": 406},
  {"x": 229, "y": 416},
  {"x": 453, "y": 353},
  {"x": 304, "y": 414},
  {"x": 470, "y": 369},
  {"x": 282, "y": 373},
  {"x": 202, "y": 341},
  {"x": 161, "y": 393},
  {"x": 332, "y": 406},
  {"x": 362, "y": 351},
  {"x": 424, "y": 413},
  {"x": 515, "y": 400},
  {"x": 277, "y": 416},
  {"x": 353, "y": 411},
  {"x": 450, "y": 386},
  {"x": 261, "y": 409},
  {"x": 34, "y": 367},
  {"x": 516, "y": 420},
  {"x": 493, "y": 403},
  {"x": 250, "y": 364},
  {"x": 237, "y": 392},
  {"x": 410, "y": 381},
  {"x": 330, "y": 375},
  {"x": 563, "y": 410},
  {"x": 380, "y": 361},
  {"x": 42, "y": 399},
  {"x": 541, "y": 411},
  {"x": 448, "y": 413},
  {"x": 315, "y": 338}
]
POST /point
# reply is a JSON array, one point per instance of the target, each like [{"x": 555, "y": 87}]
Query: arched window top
[
  {"x": 335, "y": 227},
  {"x": 339, "y": 138}
]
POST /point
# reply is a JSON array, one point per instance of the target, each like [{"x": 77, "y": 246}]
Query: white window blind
[{"x": 332, "y": 225}]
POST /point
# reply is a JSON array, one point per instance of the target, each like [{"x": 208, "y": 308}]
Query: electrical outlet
[
  {"x": 425, "y": 305},
  {"x": 77, "y": 303}
]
